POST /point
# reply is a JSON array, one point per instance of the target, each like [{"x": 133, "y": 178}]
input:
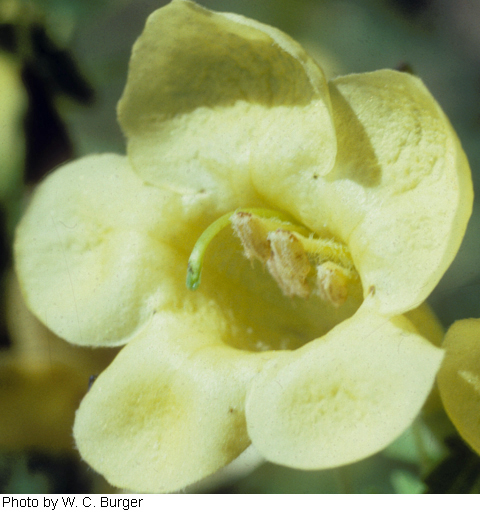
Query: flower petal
[
  {"x": 417, "y": 215},
  {"x": 400, "y": 194},
  {"x": 459, "y": 379},
  {"x": 211, "y": 97},
  {"x": 32, "y": 344},
  {"x": 170, "y": 409},
  {"x": 426, "y": 323},
  {"x": 89, "y": 255},
  {"x": 342, "y": 397}
]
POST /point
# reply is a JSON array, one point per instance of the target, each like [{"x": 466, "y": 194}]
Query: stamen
[
  {"x": 321, "y": 250},
  {"x": 332, "y": 283},
  {"x": 253, "y": 235},
  {"x": 297, "y": 260},
  {"x": 288, "y": 263}
]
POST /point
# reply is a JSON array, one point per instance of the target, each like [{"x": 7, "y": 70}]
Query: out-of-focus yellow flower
[
  {"x": 13, "y": 104},
  {"x": 459, "y": 379},
  {"x": 349, "y": 198}
]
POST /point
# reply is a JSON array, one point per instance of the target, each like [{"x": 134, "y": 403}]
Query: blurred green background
[{"x": 72, "y": 58}]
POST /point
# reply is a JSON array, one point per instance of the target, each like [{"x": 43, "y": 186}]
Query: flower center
[{"x": 301, "y": 262}]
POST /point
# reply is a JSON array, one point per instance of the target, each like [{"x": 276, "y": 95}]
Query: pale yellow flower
[
  {"x": 13, "y": 105},
  {"x": 354, "y": 196},
  {"x": 459, "y": 379}
]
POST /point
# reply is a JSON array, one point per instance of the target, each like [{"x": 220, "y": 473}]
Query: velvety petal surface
[
  {"x": 459, "y": 379},
  {"x": 170, "y": 409},
  {"x": 210, "y": 97},
  {"x": 400, "y": 194},
  {"x": 343, "y": 397},
  {"x": 93, "y": 253},
  {"x": 35, "y": 346}
]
